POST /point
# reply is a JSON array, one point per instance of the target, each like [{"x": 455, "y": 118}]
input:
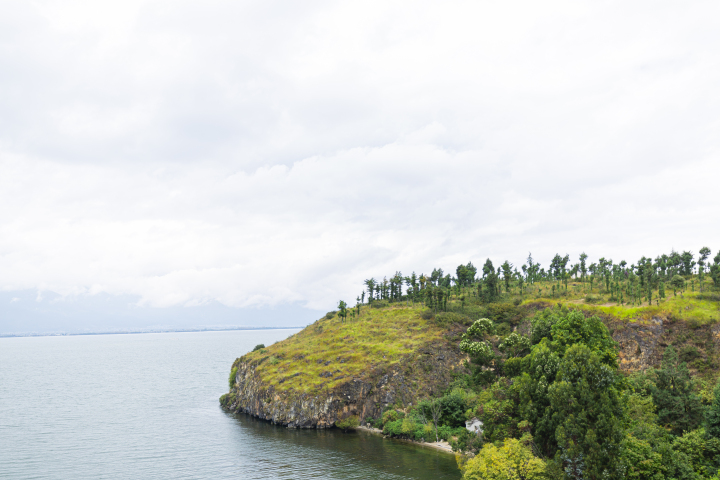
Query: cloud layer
[{"x": 265, "y": 153}]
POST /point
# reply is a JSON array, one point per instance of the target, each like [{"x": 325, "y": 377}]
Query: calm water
[{"x": 146, "y": 406}]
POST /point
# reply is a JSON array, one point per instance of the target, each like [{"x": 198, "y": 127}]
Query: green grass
[
  {"x": 379, "y": 337},
  {"x": 688, "y": 307}
]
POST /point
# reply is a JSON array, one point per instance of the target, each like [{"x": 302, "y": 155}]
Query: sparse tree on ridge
[
  {"x": 371, "y": 288},
  {"x": 342, "y": 310}
]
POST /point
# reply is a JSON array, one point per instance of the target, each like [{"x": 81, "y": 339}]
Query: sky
[{"x": 252, "y": 162}]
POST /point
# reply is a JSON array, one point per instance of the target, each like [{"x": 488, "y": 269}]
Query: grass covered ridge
[{"x": 329, "y": 352}]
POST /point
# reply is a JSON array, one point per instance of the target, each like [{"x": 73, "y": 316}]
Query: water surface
[{"x": 145, "y": 406}]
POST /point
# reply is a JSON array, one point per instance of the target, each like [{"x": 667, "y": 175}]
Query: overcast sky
[{"x": 272, "y": 155}]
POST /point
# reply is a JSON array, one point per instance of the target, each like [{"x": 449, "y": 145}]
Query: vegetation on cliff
[{"x": 585, "y": 370}]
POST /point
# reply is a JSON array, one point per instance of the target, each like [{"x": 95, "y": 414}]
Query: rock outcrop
[{"x": 426, "y": 373}]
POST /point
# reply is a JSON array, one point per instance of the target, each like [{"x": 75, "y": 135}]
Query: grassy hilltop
[{"x": 330, "y": 351}]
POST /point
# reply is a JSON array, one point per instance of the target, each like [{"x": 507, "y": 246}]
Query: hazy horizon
[{"x": 185, "y": 164}]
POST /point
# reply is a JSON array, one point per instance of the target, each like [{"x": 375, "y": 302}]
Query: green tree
[
  {"x": 679, "y": 408},
  {"x": 687, "y": 263},
  {"x": 349, "y": 423},
  {"x": 702, "y": 451},
  {"x": 511, "y": 461},
  {"x": 715, "y": 271},
  {"x": 507, "y": 274},
  {"x": 583, "y": 266},
  {"x": 704, "y": 254},
  {"x": 586, "y": 407},
  {"x": 678, "y": 283},
  {"x": 712, "y": 415},
  {"x": 370, "y": 282},
  {"x": 342, "y": 310},
  {"x": 641, "y": 461}
]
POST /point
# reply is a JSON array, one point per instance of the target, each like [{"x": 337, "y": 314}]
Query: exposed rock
[{"x": 426, "y": 373}]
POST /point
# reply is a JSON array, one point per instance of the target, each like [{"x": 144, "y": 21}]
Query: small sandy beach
[{"x": 442, "y": 445}]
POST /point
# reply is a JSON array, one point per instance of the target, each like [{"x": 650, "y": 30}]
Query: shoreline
[{"x": 441, "y": 446}]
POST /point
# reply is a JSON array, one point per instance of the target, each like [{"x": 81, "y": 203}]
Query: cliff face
[
  {"x": 642, "y": 343},
  {"x": 426, "y": 372}
]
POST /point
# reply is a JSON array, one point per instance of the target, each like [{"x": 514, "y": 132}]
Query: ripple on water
[{"x": 145, "y": 406}]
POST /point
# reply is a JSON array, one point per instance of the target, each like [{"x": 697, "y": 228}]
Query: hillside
[
  {"x": 610, "y": 370},
  {"x": 334, "y": 369}
]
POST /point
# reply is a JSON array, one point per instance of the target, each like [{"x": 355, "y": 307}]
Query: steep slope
[{"x": 332, "y": 369}]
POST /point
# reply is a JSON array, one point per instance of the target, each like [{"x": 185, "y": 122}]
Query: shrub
[
  {"x": 227, "y": 400},
  {"x": 349, "y": 423},
  {"x": 445, "y": 432},
  {"x": 392, "y": 416},
  {"x": 502, "y": 312},
  {"x": 273, "y": 360},
  {"x": 447, "y": 318},
  {"x": 330, "y": 315},
  {"x": 427, "y": 314},
  {"x": 393, "y": 428},
  {"x": 689, "y": 353},
  {"x": 374, "y": 422},
  {"x": 453, "y": 409},
  {"x": 231, "y": 378},
  {"x": 379, "y": 304},
  {"x": 258, "y": 347},
  {"x": 593, "y": 299}
]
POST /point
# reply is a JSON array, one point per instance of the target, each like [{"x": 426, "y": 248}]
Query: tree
[
  {"x": 511, "y": 461},
  {"x": 586, "y": 408},
  {"x": 371, "y": 288},
  {"x": 507, "y": 274},
  {"x": 679, "y": 407},
  {"x": 583, "y": 266},
  {"x": 678, "y": 283},
  {"x": 715, "y": 271},
  {"x": 433, "y": 409},
  {"x": 687, "y": 263},
  {"x": 712, "y": 415},
  {"x": 349, "y": 423},
  {"x": 704, "y": 254},
  {"x": 342, "y": 307}
]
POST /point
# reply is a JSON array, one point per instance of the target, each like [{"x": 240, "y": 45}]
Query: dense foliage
[{"x": 551, "y": 398}]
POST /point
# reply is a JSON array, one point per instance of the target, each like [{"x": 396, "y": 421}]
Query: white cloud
[{"x": 260, "y": 153}]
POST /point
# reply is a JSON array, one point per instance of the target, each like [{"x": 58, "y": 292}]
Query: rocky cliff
[{"x": 426, "y": 372}]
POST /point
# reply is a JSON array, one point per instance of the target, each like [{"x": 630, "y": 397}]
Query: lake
[{"x": 146, "y": 406}]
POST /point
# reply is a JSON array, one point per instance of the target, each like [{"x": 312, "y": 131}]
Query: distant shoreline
[{"x": 137, "y": 332}]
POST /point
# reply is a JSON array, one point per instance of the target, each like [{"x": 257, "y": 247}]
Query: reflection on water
[
  {"x": 344, "y": 455},
  {"x": 146, "y": 406}
]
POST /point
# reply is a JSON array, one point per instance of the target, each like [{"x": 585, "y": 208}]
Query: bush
[
  {"x": 393, "y": 428},
  {"x": 392, "y": 416},
  {"x": 502, "y": 312},
  {"x": 447, "y": 318},
  {"x": 379, "y": 304},
  {"x": 593, "y": 299},
  {"x": 227, "y": 400},
  {"x": 273, "y": 360},
  {"x": 688, "y": 354},
  {"x": 231, "y": 378},
  {"x": 349, "y": 423},
  {"x": 258, "y": 347},
  {"x": 374, "y": 422},
  {"x": 453, "y": 409},
  {"x": 427, "y": 314},
  {"x": 330, "y": 315},
  {"x": 467, "y": 442}
]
